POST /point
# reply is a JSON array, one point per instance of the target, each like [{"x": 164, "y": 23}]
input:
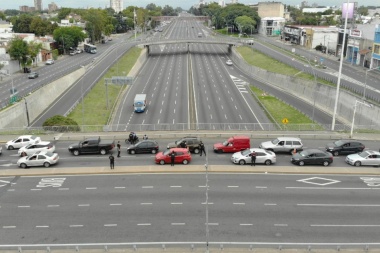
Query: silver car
[
  {"x": 33, "y": 148},
  {"x": 283, "y": 144},
  {"x": 262, "y": 156},
  {"x": 368, "y": 157},
  {"x": 40, "y": 158}
]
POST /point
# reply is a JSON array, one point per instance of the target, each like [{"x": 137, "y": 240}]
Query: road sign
[{"x": 285, "y": 121}]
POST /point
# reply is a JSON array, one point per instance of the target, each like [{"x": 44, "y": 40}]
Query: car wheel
[
  {"x": 185, "y": 161},
  {"x": 196, "y": 150},
  {"x": 132, "y": 152},
  {"x": 357, "y": 164},
  {"x": 241, "y": 162},
  {"x": 268, "y": 162},
  {"x": 10, "y": 147},
  {"x": 336, "y": 153},
  {"x": 301, "y": 163},
  {"x": 162, "y": 162},
  {"x": 154, "y": 151},
  {"x": 326, "y": 163},
  {"x": 103, "y": 151},
  {"x": 46, "y": 164},
  {"x": 76, "y": 152},
  {"x": 23, "y": 165}
]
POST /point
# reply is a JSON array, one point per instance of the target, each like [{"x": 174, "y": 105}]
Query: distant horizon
[{"x": 173, "y": 3}]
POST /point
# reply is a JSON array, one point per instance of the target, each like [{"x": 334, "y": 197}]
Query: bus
[{"x": 90, "y": 48}]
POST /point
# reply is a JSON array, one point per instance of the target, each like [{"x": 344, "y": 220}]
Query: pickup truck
[{"x": 92, "y": 145}]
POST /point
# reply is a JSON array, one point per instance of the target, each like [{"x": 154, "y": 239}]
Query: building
[
  {"x": 116, "y": 5},
  {"x": 375, "y": 61},
  {"x": 38, "y": 5},
  {"x": 52, "y": 7},
  {"x": 271, "y": 26},
  {"x": 24, "y": 8},
  {"x": 270, "y": 9}
]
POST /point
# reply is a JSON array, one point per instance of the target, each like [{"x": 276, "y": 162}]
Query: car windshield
[
  {"x": 167, "y": 152},
  {"x": 246, "y": 152},
  {"x": 363, "y": 154},
  {"x": 339, "y": 143},
  {"x": 225, "y": 143},
  {"x": 28, "y": 146},
  {"x": 304, "y": 153},
  {"x": 275, "y": 141}
]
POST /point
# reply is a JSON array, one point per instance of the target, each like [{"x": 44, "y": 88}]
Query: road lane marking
[
  {"x": 213, "y": 224},
  {"x": 110, "y": 225},
  {"x": 42, "y": 226},
  {"x": 147, "y": 187},
  {"x": 280, "y": 225},
  {"x": 9, "y": 226},
  {"x": 178, "y": 224},
  {"x": 23, "y": 206},
  {"x": 330, "y": 188},
  {"x": 145, "y": 203},
  {"x": 63, "y": 189},
  {"x": 53, "y": 206},
  {"x": 341, "y": 205},
  {"x": 119, "y": 187},
  {"x": 261, "y": 187},
  {"x": 143, "y": 224},
  {"x": 91, "y": 188},
  {"x": 246, "y": 224},
  {"x": 35, "y": 189},
  {"x": 116, "y": 204},
  {"x": 176, "y": 203},
  {"x": 209, "y": 203},
  {"x": 233, "y": 186},
  {"x": 239, "y": 203},
  {"x": 270, "y": 204},
  {"x": 84, "y": 205},
  {"x": 331, "y": 225},
  {"x": 175, "y": 186},
  {"x": 76, "y": 226}
]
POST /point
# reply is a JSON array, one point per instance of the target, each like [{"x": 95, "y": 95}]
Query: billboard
[{"x": 348, "y": 9}]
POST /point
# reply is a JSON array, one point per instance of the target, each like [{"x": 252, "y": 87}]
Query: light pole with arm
[{"x": 353, "y": 115}]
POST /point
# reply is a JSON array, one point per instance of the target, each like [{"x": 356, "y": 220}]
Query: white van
[
  {"x": 139, "y": 103},
  {"x": 283, "y": 144}
]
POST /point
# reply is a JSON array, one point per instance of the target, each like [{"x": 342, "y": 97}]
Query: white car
[
  {"x": 262, "y": 156},
  {"x": 22, "y": 141},
  {"x": 33, "y": 148},
  {"x": 40, "y": 158},
  {"x": 49, "y": 62},
  {"x": 229, "y": 63},
  {"x": 368, "y": 157}
]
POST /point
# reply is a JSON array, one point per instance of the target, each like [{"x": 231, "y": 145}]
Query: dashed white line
[
  {"x": 35, "y": 189},
  {"x": 63, "y": 189},
  {"x": 23, "y": 206},
  {"x": 178, "y": 224},
  {"x": 233, "y": 186},
  {"x": 239, "y": 203},
  {"x": 280, "y": 225},
  {"x": 270, "y": 204},
  {"x": 110, "y": 225},
  {"x": 146, "y": 203},
  {"x": 175, "y": 186},
  {"x": 213, "y": 224},
  {"x": 53, "y": 206},
  {"x": 246, "y": 224},
  {"x": 42, "y": 226},
  {"x": 176, "y": 203},
  {"x": 119, "y": 187},
  {"x": 91, "y": 188},
  {"x": 84, "y": 205},
  {"x": 143, "y": 224},
  {"x": 116, "y": 204},
  {"x": 76, "y": 226},
  {"x": 261, "y": 187},
  {"x": 9, "y": 226},
  {"x": 147, "y": 187}
]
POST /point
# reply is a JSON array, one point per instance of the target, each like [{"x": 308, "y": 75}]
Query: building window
[{"x": 376, "y": 49}]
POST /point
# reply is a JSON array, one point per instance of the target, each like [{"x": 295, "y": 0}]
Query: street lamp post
[
  {"x": 365, "y": 81},
  {"x": 353, "y": 115}
]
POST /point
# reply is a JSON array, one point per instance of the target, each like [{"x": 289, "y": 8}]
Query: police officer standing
[
  {"x": 253, "y": 158},
  {"x": 202, "y": 148},
  {"x": 112, "y": 162},
  {"x": 118, "y": 148},
  {"x": 172, "y": 158}
]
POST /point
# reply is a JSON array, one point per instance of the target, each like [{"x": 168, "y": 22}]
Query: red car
[{"x": 182, "y": 155}]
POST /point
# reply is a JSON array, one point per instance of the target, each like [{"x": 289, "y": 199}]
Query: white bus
[{"x": 90, "y": 48}]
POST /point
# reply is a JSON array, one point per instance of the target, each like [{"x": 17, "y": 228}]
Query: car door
[
  {"x": 288, "y": 146},
  {"x": 31, "y": 149},
  {"x": 40, "y": 160},
  {"x": 26, "y": 141},
  {"x": 32, "y": 161},
  {"x": 320, "y": 158},
  {"x": 310, "y": 159},
  {"x": 260, "y": 157},
  {"x": 371, "y": 160},
  {"x": 346, "y": 149},
  {"x": 142, "y": 147},
  {"x": 86, "y": 147},
  {"x": 178, "y": 157}
]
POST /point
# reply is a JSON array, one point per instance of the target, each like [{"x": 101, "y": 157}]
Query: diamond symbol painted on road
[{"x": 318, "y": 181}]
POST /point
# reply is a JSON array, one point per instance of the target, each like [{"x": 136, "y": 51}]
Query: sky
[{"x": 185, "y": 4}]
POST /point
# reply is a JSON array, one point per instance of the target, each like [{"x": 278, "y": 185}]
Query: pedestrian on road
[
  {"x": 118, "y": 148},
  {"x": 112, "y": 162},
  {"x": 253, "y": 158},
  {"x": 172, "y": 157},
  {"x": 202, "y": 148}
]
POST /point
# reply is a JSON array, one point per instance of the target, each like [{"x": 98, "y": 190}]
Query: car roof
[
  {"x": 288, "y": 138},
  {"x": 43, "y": 152},
  {"x": 372, "y": 152},
  {"x": 258, "y": 150},
  {"x": 179, "y": 149},
  {"x": 25, "y": 136},
  {"x": 314, "y": 150},
  {"x": 44, "y": 143}
]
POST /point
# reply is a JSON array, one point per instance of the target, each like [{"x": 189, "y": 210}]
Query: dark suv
[
  {"x": 191, "y": 142},
  {"x": 344, "y": 147}
]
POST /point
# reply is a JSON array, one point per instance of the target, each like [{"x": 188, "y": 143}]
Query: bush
[{"x": 61, "y": 123}]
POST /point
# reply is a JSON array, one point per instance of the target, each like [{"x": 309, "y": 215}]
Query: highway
[{"x": 172, "y": 208}]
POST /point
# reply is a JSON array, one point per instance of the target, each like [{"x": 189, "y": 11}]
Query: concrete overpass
[
  {"x": 214, "y": 41},
  {"x": 169, "y": 18}
]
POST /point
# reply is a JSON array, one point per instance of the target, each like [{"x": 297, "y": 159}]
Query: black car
[
  {"x": 145, "y": 146},
  {"x": 312, "y": 156},
  {"x": 190, "y": 142},
  {"x": 344, "y": 147}
]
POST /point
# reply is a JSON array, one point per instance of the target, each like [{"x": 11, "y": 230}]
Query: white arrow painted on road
[{"x": 5, "y": 183}]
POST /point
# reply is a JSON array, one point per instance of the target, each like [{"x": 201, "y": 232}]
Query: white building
[{"x": 116, "y": 5}]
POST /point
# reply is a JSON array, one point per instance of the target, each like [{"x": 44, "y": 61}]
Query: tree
[
  {"x": 168, "y": 11},
  {"x": 19, "y": 50},
  {"x": 63, "y": 12},
  {"x": 34, "y": 49},
  {"x": 61, "y": 123},
  {"x": 363, "y": 11},
  {"x": 68, "y": 36},
  {"x": 232, "y": 11},
  {"x": 96, "y": 23},
  {"x": 38, "y": 26},
  {"x": 22, "y": 24},
  {"x": 2, "y": 15},
  {"x": 11, "y": 12},
  {"x": 245, "y": 24}
]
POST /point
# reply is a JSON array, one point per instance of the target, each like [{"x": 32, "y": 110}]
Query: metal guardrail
[{"x": 191, "y": 246}]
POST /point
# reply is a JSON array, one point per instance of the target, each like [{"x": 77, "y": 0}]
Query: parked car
[
  {"x": 368, "y": 157},
  {"x": 262, "y": 156},
  {"x": 40, "y": 158},
  {"x": 146, "y": 146},
  {"x": 92, "y": 146},
  {"x": 312, "y": 157},
  {"x": 72, "y": 53},
  {"x": 21, "y": 141},
  {"x": 182, "y": 155},
  {"x": 345, "y": 147},
  {"x": 283, "y": 144},
  {"x": 229, "y": 62},
  {"x": 192, "y": 143},
  {"x": 33, "y": 75},
  {"x": 49, "y": 62},
  {"x": 233, "y": 144},
  {"x": 33, "y": 148}
]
